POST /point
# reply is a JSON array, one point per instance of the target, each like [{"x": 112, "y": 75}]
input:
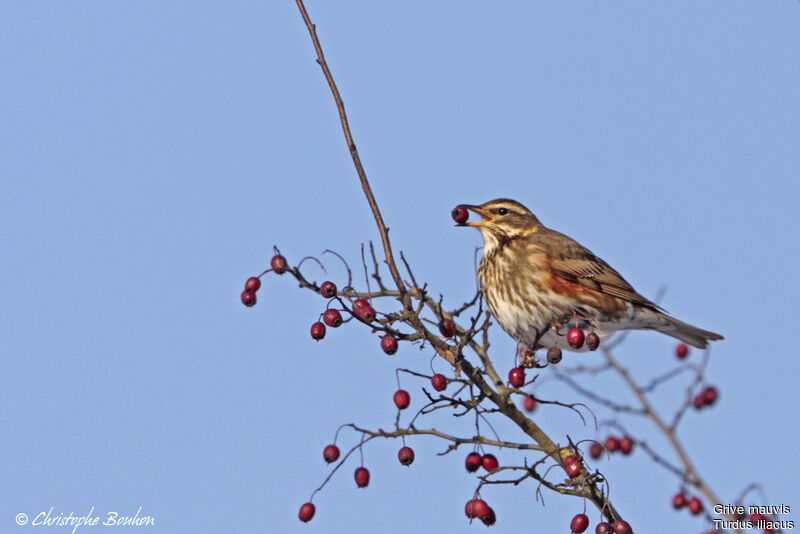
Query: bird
[{"x": 539, "y": 283}]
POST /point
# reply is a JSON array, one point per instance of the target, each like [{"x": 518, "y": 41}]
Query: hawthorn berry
[
  {"x": 278, "y": 264},
  {"x": 710, "y": 395},
  {"x": 439, "y": 382},
  {"x": 596, "y": 450},
  {"x": 612, "y": 444},
  {"x": 489, "y": 519},
  {"x": 362, "y": 477},
  {"x": 306, "y": 512},
  {"x": 621, "y": 527},
  {"x": 572, "y": 466},
  {"x": 447, "y": 327},
  {"x": 460, "y": 214},
  {"x": 695, "y": 505},
  {"x": 592, "y": 341},
  {"x": 678, "y": 501},
  {"x": 389, "y": 344},
  {"x": 516, "y": 377},
  {"x": 363, "y": 309},
  {"x": 327, "y": 290},
  {"x": 579, "y": 523},
  {"x": 553, "y": 355},
  {"x": 402, "y": 399},
  {"x": 317, "y": 330},
  {"x": 331, "y": 453},
  {"x": 699, "y": 401},
  {"x": 575, "y": 337},
  {"x": 248, "y": 298},
  {"x": 603, "y": 528},
  {"x": 626, "y": 445},
  {"x": 406, "y": 456},
  {"x": 681, "y": 350},
  {"x": 332, "y": 318},
  {"x": 489, "y": 462},
  {"x": 252, "y": 284},
  {"x": 473, "y": 462},
  {"x": 529, "y": 403},
  {"x": 476, "y": 508}
]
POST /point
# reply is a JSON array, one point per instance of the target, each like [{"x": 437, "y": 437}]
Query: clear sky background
[{"x": 152, "y": 153}]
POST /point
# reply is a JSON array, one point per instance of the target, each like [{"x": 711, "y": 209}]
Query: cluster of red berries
[
  {"x": 278, "y": 265},
  {"x": 612, "y": 444},
  {"x": 475, "y": 461},
  {"x": 580, "y": 523},
  {"x": 707, "y": 397},
  {"x": 694, "y": 504},
  {"x": 478, "y": 509},
  {"x": 576, "y": 338}
]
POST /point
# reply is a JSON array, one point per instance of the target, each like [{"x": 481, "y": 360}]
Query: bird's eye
[{"x": 502, "y": 211}]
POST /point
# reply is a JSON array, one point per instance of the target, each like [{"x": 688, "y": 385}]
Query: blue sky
[{"x": 152, "y": 154}]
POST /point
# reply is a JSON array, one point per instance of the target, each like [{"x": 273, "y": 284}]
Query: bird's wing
[{"x": 575, "y": 263}]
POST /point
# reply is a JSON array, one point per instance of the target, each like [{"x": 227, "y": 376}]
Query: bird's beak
[{"x": 486, "y": 217}]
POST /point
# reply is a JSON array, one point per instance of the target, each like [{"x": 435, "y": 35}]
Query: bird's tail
[{"x": 696, "y": 337}]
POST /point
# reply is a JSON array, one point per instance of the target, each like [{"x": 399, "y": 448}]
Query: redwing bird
[{"x": 538, "y": 283}]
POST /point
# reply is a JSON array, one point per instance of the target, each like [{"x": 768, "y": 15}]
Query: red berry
[
  {"x": 596, "y": 451},
  {"x": 389, "y": 344},
  {"x": 553, "y": 355},
  {"x": 621, "y": 527},
  {"x": 363, "y": 309},
  {"x": 516, "y": 377},
  {"x": 592, "y": 341},
  {"x": 681, "y": 350},
  {"x": 695, "y": 505},
  {"x": 699, "y": 401},
  {"x": 317, "y": 331},
  {"x": 362, "y": 477},
  {"x": 626, "y": 445},
  {"x": 460, "y": 214},
  {"x": 473, "y": 462},
  {"x": 678, "y": 501},
  {"x": 278, "y": 264},
  {"x": 439, "y": 382},
  {"x": 710, "y": 395},
  {"x": 489, "y": 519},
  {"x": 489, "y": 462},
  {"x": 579, "y": 523},
  {"x": 327, "y": 290},
  {"x": 603, "y": 528},
  {"x": 332, "y": 317},
  {"x": 252, "y": 284},
  {"x": 406, "y": 456},
  {"x": 529, "y": 403},
  {"x": 402, "y": 399},
  {"x": 575, "y": 337},
  {"x": 331, "y": 453},
  {"x": 476, "y": 508},
  {"x": 447, "y": 327},
  {"x": 248, "y": 298},
  {"x": 306, "y": 512},
  {"x": 612, "y": 444},
  {"x": 572, "y": 466}
]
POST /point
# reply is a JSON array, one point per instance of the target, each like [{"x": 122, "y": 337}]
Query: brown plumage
[{"x": 538, "y": 283}]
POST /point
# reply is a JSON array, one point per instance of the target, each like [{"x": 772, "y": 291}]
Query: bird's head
[{"x": 502, "y": 219}]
